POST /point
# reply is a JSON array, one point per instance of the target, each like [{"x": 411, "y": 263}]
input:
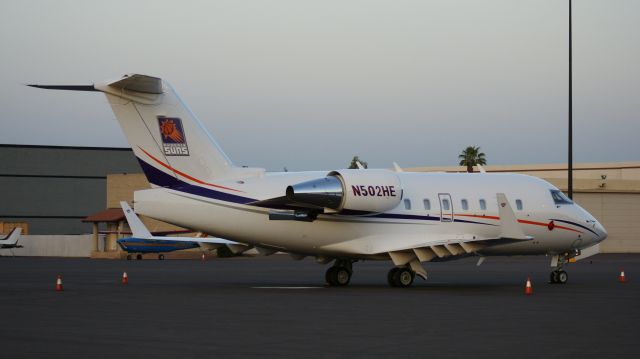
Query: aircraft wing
[
  {"x": 210, "y": 240},
  {"x": 413, "y": 249},
  {"x": 425, "y": 247}
]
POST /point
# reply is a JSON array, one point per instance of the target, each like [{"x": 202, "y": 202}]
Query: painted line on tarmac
[{"x": 287, "y": 287}]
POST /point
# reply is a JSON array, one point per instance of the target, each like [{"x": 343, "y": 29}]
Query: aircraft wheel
[
  {"x": 139, "y": 257},
  {"x": 161, "y": 257},
  {"x": 128, "y": 257},
  {"x": 553, "y": 277},
  {"x": 328, "y": 275},
  {"x": 563, "y": 277},
  {"x": 338, "y": 276},
  {"x": 403, "y": 277},
  {"x": 390, "y": 276}
]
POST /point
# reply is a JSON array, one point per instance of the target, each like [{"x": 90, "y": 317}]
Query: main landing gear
[
  {"x": 340, "y": 273},
  {"x": 400, "y": 277}
]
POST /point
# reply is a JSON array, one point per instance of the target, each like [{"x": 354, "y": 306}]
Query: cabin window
[
  {"x": 483, "y": 205},
  {"x": 465, "y": 204},
  {"x": 427, "y": 204},
  {"x": 519, "y": 204},
  {"x": 445, "y": 204},
  {"x": 407, "y": 204}
]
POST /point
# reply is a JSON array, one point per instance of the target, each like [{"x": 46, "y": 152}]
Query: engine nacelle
[{"x": 356, "y": 190}]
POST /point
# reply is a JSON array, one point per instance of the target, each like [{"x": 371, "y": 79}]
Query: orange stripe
[{"x": 186, "y": 175}]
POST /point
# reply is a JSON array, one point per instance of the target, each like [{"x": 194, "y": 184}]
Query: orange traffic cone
[
  {"x": 528, "y": 289},
  {"x": 59, "y": 284},
  {"x": 125, "y": 278},
  {"x": 622, "y": 278}
]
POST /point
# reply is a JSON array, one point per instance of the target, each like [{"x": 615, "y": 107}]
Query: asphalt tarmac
[{"x": 277, "y": 307}]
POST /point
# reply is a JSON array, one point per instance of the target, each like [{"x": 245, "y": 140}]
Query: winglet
[
  {"x": 360, "y": 166},
  {"x": 481, "y": 169},
  {"x": 397, "y": 168},
  {"x": 138, "y": 229},
  {"x": 508, "y": 221}
]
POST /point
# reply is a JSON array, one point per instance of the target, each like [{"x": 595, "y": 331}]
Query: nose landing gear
[{"x": 558, "y": 275}]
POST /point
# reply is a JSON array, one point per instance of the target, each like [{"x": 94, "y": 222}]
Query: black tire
[
  {"x": 403, "y": 278},
  {"x": 341, "y": 276},
  {"x": 328, "y": 276},
  {"x": 390, "y": 276},
  {"x": 553, "y": 277},
  {"x": 139, "y": 257},
  {"x": 161, "y": 257},
  {"x": 338, "y": 276},
  {"x": 563, "y": 277}
]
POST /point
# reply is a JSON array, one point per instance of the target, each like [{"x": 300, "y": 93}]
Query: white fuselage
[{"x": 421, "y": 217}]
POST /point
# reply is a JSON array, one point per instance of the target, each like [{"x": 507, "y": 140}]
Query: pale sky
[{"x": 309, "y": 84}]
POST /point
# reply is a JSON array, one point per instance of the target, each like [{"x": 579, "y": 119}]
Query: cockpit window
[{"x": 559, "y": 197}]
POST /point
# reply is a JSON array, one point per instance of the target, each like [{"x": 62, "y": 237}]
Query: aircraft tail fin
[
  {"x": 138, "y": 229},
  {"x": 12, "y": 238},
  {"x": 171, "y": 144}
]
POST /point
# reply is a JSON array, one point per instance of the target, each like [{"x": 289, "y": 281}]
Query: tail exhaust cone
[{"x": 324, "y": 192}]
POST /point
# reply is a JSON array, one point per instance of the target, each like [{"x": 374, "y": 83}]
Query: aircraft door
[{"x": 446, "y": 207}]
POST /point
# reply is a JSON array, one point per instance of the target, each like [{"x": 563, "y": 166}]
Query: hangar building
[{"x": 52, "y": 188}]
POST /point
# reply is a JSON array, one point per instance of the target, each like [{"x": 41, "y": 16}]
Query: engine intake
[{"x": 356, "y": 190}]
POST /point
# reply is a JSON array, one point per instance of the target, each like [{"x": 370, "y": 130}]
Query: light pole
[{"x": 570, "y": 160}]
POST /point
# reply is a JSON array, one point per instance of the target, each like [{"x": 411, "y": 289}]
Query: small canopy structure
[{"x": 114, "y": 220}]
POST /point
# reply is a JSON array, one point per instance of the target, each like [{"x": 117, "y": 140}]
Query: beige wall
[
  {"x": 620, "y": 215},
  {"x": 120, "y": 187}
]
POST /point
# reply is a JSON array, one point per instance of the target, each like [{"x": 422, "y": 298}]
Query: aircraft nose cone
[{"x": 602, "y": 233}]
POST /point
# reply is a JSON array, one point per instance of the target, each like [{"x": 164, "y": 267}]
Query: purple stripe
[
  {"x": 423, "y": 218},
  {"x": 162, "y": 179}
]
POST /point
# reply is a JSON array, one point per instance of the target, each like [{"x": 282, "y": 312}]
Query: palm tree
[{"x": 471, "y": 156}]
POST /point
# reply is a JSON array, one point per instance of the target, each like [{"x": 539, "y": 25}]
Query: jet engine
[{"x": 350, "y": 190}]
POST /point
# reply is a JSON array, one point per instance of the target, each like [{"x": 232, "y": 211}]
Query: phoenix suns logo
[{"x": 174, "y": 141}]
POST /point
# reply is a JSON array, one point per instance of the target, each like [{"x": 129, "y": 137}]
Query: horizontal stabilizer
[
  {"x": 65, "y": 87},
  {"x": 134, "y": 83}
]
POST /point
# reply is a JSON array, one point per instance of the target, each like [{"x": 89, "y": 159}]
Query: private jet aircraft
[
  {"x": 339, "y": 216},
  {"x": 10, "y": 241},
  {"x": 144, "y": 241}
]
